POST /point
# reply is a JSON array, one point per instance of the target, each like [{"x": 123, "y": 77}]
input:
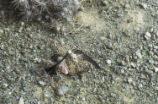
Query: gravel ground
[{"x": 120, "y": 35}]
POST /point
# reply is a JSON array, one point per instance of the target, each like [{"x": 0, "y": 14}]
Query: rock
[
  {"x": 130, "y": 69},
  {"x": 42, "y": 83},
  {"x": 102, "y": 38},
  {"x": 140, "y": 86},
  {"x": 147, "y": 36},
  {"x": 4, "y": 85},
  {"x": 62, "y": 90},
  {"x": 143, "y": 76},
  {"x": 149, "y": 72},
  {"x": 108, "y": 61},
  {"x": 21, "y": 101},
  {"x": 113, "y": 95},
  {"x": 83, "y": 98},
  {"x": 122, "y": 72},
  {"x": 130, "y": 81},
  {"x": 138, "y": 53},
  {"x": 104, "y": 2},
  {"x": 155, "y": 47},
  {"x": 127, "y": 6},
  {"x": 22, "y": 23},
  {"x": 20, "y": 29},
  {"x": 133, "y": 65},
  {"x": 157, "y": 33},
  {"x": 109, "y": 46},
  {"x": 151, "y": 29},
  {"x": 156, "y": 69},
  {"x": 1, "y": 31},
  {"x": 143, "y": 5},
  {"x": 122, "y": 63},
  {"x": 151, "y": 61}
]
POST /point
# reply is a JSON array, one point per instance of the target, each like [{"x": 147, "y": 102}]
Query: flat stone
[
  {"x": 42, "y": 83},
  {"x": 147, "y": 36}
]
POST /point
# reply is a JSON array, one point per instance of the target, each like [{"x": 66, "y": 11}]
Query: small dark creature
[{"x": 55, "y": 58}]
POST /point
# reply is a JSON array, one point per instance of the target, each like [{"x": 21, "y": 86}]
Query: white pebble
[
  {"x": 147, "y": 36},
  {"x": 108, "y": 62},
  {"x": 130, "y": 81},
  {"x": 42, "y": 83},
  {"x": 62, "y": 90},
  {"x": 139, "y": 55},
  {"x": 22, "y": 23},
  {"x": 83, "y": 98},
  {"x": 21, "y": 101},
  {"x": 156, "y": 69},
  {"x": 144, "y": 5}
]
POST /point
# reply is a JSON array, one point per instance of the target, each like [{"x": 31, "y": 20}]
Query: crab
[{"x": 69, "y": 64}]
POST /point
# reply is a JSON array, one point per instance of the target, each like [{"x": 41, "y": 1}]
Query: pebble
[
  {"x": 151, "y": 61},
  {"x": 1, "y": 31},
  {"x": 20, "y": 29},
  {"x": 127, "y": 6},
  {"x": 42, "y": 83},
  {"x": 122, "y": 63},
  {"x": 156, "y": 69},
  {"x": 108, "y": 61},
  {"x": 113, "y": 95},
  {"x": 147, "y": 36},
  {"x": 149, "y": 72},
  {"x": 130, "y": 81},
  {"x": 104, "y": 2},
  {"x": 157, "y": 33},
  {"x": 102, "y": 38},
  {"x": 62, "y": 90},
  {"x": 155, "y": 47},
  {"x": 143, "y": 76},
  {"x": 4, "y": 85},
  {"x": 138, "y": 53},
  {"x": 62, "y": 42},
  {"x": 28, "y": 29},
  {"x": 83, "y": 98},
  {"x": 144, "y": 5},
  {"x": 133, "y": 64},
  {"x": 22, "y": 23},
  {"x": 122, "y": 72},
  {"x": 109, "y": 46},
  {"x": 130, "y": 69},
  {"x": 140, "y": 86},
  {"x": 21, "y": 101}
]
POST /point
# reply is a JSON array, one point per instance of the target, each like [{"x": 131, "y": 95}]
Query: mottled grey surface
[{"x": 120, "y": 35}]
